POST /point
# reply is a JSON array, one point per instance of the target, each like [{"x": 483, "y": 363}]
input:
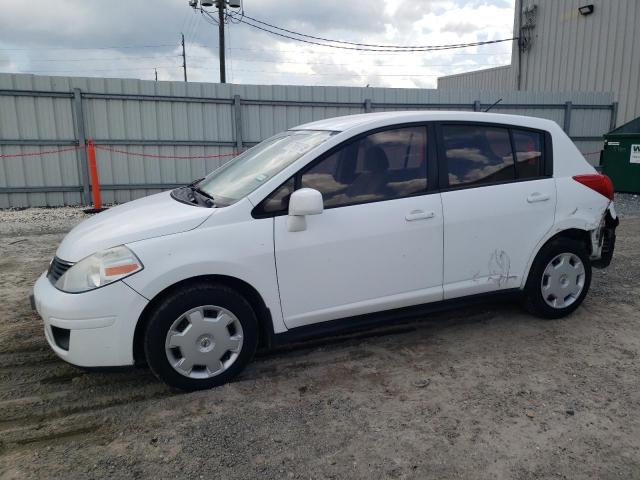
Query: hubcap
[
  {"x": 563, "y": 280},
  {"x": 204, "y": 342}
]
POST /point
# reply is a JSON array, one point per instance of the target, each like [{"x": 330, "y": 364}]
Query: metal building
[{"x": 569, "y": 46}]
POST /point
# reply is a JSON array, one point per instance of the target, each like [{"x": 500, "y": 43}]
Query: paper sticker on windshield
[{"x": 261, "y": 178}]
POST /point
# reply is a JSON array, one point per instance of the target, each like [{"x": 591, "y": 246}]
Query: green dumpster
[{"x": 620, "y": 158}]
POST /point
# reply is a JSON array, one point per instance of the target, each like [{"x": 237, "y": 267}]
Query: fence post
[
  {"x": 476, "y": 106},
  {"x": 93, "y": 170},
  {"x": 78, "y": 116},
  {"x": 614, "y": 115},
  {"x": 367, "y": 105},
  {"x": 237, "y": 112},
  {"x": 568, "y": 106}
]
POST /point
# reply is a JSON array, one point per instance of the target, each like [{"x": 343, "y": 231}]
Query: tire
[
  {"x": 196, "y": 324},
  {"x": 549, "y": 292}
]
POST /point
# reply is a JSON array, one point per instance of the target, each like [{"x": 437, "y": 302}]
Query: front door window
[{"x": 382, "y": 166}]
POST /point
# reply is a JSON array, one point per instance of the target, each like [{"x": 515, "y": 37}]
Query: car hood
[{"x": 148, "y": 217}]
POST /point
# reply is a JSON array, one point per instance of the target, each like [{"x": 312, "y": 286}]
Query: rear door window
[{"x": 477, "y": 155}]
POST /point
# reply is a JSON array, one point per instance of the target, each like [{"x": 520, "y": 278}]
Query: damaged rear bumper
[{"x": 603, "y": 239}]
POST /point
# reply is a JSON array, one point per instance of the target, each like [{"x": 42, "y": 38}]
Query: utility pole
[
  {"x": 156, "y": 70},
  {"x": 184, "y": 58},
  {"x": 221, "y": 4},
  {"x": 519, "y": 43}
]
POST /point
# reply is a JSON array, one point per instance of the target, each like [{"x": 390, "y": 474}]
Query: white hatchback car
[{"x": 332, "y": 225}]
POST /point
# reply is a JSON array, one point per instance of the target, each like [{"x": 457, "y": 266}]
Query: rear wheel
[
  {"x": 559, "y": 279},
  {"x": 200, "y": 336}
]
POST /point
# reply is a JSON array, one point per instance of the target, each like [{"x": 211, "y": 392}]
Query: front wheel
[
  {"x": 200, "y": 336},
  {"x": 559, "y": 279}
]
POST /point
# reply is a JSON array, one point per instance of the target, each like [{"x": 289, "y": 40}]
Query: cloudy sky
[{"x": 129, "y": 38}]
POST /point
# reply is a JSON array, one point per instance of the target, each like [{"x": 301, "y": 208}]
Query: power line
[
  {"x": 360, "y": 54},
  {"x": 368, "y": 49},
  {"x": 187, "y": 16},
  {"x": 271, "y": 50},
  {"x": 210, "y": 19},
  {"x": 338, "y": 74},
  {"x": 62, "y": 60},
  {"x": 196, "y": 26},
  {"x": 191, "y": 26},
  {"x": 351, "y": 64},
  {"x": 91, "y": 48},
  {"x": 103, "y": 69},
  {"x": 411, "y": 47}
]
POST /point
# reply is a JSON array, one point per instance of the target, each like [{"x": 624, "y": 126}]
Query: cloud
[
  {"x": 38, "y": 29},
  {"x": 325, "y": 17},
  {"x": 405, "y": 12},
  {"x": 73, "y": 23},
  {"x": 5, "y": 61},
  {"x": 460, "y": 27}
]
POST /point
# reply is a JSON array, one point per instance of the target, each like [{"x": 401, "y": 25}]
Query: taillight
[{"x": 598, "y": 182}]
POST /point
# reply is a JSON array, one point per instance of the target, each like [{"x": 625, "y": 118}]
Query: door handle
[
  {"x": 418, "y": 215},
  {"x": 538, "y": 197}
]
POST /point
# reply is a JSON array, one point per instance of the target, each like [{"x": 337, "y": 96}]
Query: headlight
[{"x": 99, "y": 269}]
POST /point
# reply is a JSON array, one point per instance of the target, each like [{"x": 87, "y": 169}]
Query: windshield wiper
[
  {"x": 201, "y": 192},
  {"x": 208, "y": 200},
  {"x": 193, "y": 196},
  {"x": 194, "y": 188}
]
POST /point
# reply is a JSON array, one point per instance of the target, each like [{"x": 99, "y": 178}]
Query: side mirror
[{"x": 305, "y": 201}]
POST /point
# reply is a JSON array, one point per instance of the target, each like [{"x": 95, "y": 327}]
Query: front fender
[{"x": 242, "y": 250}]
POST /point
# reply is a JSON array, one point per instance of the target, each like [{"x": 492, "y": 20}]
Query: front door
[{"x": 378, "y": 243}]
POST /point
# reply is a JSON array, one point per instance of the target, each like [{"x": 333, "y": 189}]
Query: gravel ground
[
  {"x": 32, "y": 221},
  {"x": 627, "y": 204},
  {"x": 488, "y": 392}
]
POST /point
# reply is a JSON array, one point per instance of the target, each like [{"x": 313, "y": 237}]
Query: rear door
[{"x": 497, "y": 202}]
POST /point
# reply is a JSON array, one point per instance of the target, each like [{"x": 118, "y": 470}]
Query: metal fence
[{"x": 149, "y": 132}]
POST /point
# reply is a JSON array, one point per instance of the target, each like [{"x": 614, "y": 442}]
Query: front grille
[{"x": 57, "y": 269}]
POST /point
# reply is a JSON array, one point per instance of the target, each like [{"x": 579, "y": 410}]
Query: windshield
[{"x": 248, "y": 171}]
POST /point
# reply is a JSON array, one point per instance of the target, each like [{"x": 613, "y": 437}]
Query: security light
[
  {"x": 207, "y": 3},
  {"x": 234, "y": 3},
  {"x": 586, "y": 10}
]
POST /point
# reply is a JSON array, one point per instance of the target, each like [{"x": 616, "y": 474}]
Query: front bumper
[{"x": 90, "y": 329}]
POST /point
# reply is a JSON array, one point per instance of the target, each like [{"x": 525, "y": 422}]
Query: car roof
[{"x": 381, "y": 119}]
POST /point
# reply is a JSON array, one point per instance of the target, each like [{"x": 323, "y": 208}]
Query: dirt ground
[{"x": 488, "y": 392}]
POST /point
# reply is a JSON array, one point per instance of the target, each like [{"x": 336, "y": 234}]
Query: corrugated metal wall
[
  {"x": 40, "y": 113},
  {"x": 571, "y": 52},
  {"x": 487, "y": 79},
  {"x": 598, "y": 52}
]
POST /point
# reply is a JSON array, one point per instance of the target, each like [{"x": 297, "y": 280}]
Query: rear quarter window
[{"x": 529, "y": 150}]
